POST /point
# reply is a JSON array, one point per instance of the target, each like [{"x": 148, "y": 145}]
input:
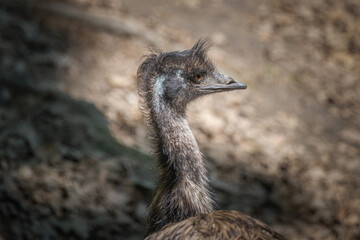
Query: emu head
[{"x": 174, "y": 79}]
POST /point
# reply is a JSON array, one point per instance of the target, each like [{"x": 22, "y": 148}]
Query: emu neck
[{"x": 183, "y": 189}]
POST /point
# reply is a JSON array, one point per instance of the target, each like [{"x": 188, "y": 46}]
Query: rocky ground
[{"x": 75, "y": 160}]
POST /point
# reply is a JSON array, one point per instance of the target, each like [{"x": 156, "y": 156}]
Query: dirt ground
[{"x": 75, "y": 160}]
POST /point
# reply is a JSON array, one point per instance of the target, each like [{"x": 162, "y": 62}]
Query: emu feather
[{"x": 183, "y": 206}]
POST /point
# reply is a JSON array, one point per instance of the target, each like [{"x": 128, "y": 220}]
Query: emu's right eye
[{"x": 198, "y": 77}]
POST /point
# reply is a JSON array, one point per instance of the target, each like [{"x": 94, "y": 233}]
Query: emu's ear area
[{"x": 174, "y": 86}]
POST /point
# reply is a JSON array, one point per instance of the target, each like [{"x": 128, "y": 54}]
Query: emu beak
[{"x": 222, "y": 83}]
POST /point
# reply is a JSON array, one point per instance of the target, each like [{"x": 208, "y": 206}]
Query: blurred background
[{"x": 75, "y": 160}]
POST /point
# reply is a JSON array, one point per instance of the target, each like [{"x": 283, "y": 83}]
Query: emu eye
[{"x": 198, "y": 77}]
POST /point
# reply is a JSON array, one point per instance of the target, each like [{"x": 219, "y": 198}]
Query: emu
[{"x": 183, "y": 206}]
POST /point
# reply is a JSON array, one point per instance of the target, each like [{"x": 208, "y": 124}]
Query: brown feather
[{"x": 220, "y": 224}]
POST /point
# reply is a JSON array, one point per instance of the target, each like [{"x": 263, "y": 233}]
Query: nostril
[{"x": 231, "y": 81}]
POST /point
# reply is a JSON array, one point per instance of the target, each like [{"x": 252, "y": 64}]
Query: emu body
[{"x": 183, "y": 207}]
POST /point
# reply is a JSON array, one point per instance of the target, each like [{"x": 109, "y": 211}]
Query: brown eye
[{"x": 198, "y": 77}]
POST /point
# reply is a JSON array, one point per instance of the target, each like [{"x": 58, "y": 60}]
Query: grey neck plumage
[{"x": 183, "y": 186}]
